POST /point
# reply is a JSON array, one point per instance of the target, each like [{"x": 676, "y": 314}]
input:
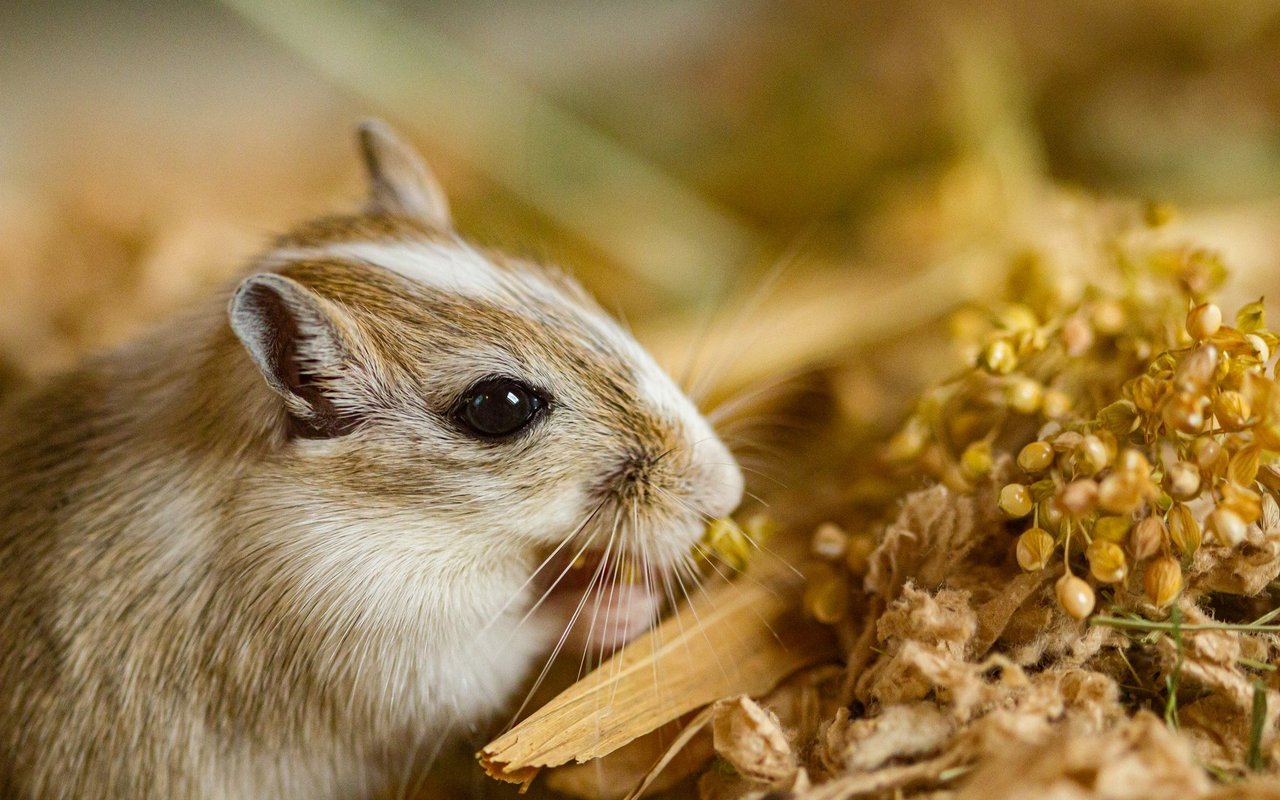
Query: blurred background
[
  {"x": 762, "y": 189},
  {"x": 843, "y": 172}
]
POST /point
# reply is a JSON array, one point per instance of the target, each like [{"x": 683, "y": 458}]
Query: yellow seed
[
  {"x": 909, "y": 441},
  {"x": 998, "y": 357},
  {"x": 1075, "y": 596},
  {"x": 1015, "y": 501},
  {"x": 857, "y": 555},
  {"x": 1184, "y": 413},
  {"x": 1244, "y": 503},
  {"x": 1106, "y": 561},
  {"x": 1204, "y": 321},
  {"x": 1120, "y": 418},
  {"x": 1110, "y": 445},
  {"x": 976, "y": 460},
  {"x": 1120, "y": 492},
  {"x": 829, "y": 542},
  {"x": 1242, "y": 469},
  {"x": 1078, "y": 497},
  {"x": 1035, "y": 547},
  {"x": 1184, "y": 530},
  {"x": 1226, "y": 527},
  {"x": 1197, "y": 369},
  {"x": 1269, "y": 476},
  {"x": 1036, "y": 457},
  {"x": 1133, "y": 462},
  {"x": 1182, "y": 480},
  {"x": 1163, "y": 581},
  {"x": 725, "y": 540},
  {"x": 1270, "y": 520},
  {"x": 1232, "y": 410},
  {"x": 1056, "y": 404},
  {"x": 1259, "y": 345},
  {"x": 1024, "y": 395},
  {"x": 1049, "y": 514},
  {"x": 1148, "y": 538},
  {"x": 1016, "y": 317},
  {"x": 826, "y": 597},
  {"x": 1067, "y": 441},
  {"x": 760, "y": 528},
  {"x": 1111, "y": 529},
  {"x": 1090, "y": 456},
  {"x": 1207, "y": 452},
  {"x": 1146, "y": 393}
]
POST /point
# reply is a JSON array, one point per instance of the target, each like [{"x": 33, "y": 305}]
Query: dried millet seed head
[
  {"x": 1056, "y": 404},
  {"x": 1106, "y": 560},
  {"x": 1204, "y": 321},
  {"x": 1184, "y": 530},
  {"x": 1075, "y": 596},
  {"x": 1036, "y": 457},
  {"x": 1226, "y": 527},
  {"x": 976, "y": 460},
  {"x": 1015, "y": 501},
  {"x": 1112, "y": 528},
  {"x": 1090, "y": 456},
  {"x": 1078, "y": 497},
  {"x": 1148, "y": 538},
  {"x": 829, "y": 542},
  {"x": 1182, "y": 480},
  {"x": 1121, "y": 492},
  {"x": 1163, "y": 581},
  {"x": 999, "y": 357},
  {"x": 1024, "y": 395},
  {"x": 1035, "y": 548}
]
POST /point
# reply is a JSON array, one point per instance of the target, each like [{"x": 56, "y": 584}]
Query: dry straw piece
[{"x": 742, "y": 637}]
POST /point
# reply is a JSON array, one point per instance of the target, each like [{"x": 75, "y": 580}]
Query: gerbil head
[{"x": 434, "y": 398}]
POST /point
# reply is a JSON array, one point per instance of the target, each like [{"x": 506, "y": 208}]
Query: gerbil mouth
[{"x": 600, "y": 600}]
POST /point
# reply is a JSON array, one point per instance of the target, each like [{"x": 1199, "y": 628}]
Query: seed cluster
[{"x": 1140, "y": 425}]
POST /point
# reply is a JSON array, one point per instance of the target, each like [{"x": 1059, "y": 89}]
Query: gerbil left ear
[
  {"x": 295, "y": 338},
  {"x": 400, "y": 183}
]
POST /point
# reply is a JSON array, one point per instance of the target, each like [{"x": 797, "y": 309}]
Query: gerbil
[{"x": 281, "y": 546}]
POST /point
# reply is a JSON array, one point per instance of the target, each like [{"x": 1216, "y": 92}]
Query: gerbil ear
[
  {"x": 400, "y": 183},
  {"x": 295, "y": 338}
]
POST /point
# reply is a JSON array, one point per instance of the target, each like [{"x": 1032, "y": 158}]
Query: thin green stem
[{"x": 1148, "y": 625}]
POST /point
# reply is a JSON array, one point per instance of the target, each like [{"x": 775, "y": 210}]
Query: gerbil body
[{"x": 276, "y": 551}]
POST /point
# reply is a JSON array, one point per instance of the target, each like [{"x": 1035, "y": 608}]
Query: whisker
[
  {"x": 532, "y": 576},
  {"x": 563, "y": 637},
  {"x": 706, "y": 519},
  {"x": 743, "y": 397},
  {"x": 656, "y": 612},
  {"x": 599, "y": 592},
  {"x": 702, "y": 628},
  {"x": 745, "y": 312}
]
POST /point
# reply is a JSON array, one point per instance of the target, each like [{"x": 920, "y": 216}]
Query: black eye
[{"x": 496, "y": 408}]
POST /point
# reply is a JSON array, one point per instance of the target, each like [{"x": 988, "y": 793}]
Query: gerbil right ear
[
  {"x": 400, "y": 183},
  {"x": 295, "y": 337}
]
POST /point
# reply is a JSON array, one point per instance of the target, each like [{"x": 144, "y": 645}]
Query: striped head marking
[{"x": 486, "y": 402}]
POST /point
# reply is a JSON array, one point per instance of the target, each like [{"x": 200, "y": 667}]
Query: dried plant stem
[
  {"x": 1147, "y": 625},
  {"x": 737, "y": 638}
]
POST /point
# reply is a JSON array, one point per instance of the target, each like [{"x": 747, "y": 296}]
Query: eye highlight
[{"x": 497, "y": 408}]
